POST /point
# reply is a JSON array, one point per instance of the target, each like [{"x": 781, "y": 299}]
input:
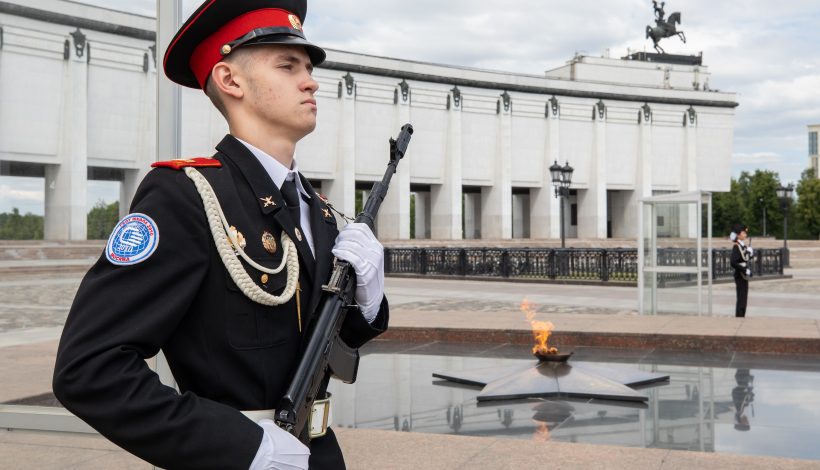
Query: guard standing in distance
[
  {"x": 741, "y": 263},
  {"x": 220, "y": 265}
]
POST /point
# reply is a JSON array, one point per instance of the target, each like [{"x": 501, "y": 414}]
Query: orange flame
[
  {"x": 542, "y": 432},
  {"x": 541, "y": 330}
]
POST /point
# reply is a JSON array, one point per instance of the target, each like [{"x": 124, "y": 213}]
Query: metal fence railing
[{"x": 565, "y": 264}]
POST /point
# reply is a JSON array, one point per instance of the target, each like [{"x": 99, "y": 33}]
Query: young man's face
[{"x": 280, "y": 89}]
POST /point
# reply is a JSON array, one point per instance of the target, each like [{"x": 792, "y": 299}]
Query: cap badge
[
  {"x": 294, "y": 21},
  {"x": 269, "y": 242}
]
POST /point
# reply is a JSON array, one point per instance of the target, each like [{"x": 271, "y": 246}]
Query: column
[
  {"x": 472, "y": 215},
  {"x": 65, "y": 191},
  {"x": 393, "y": 220},
  {"x": 147, "y": 148},
  {"x": 592, "y": 201},
  {"x": 689, "y": 172},
  {"x": 342, "y": 188},
  {"x": 544, "y": 209},
  {"x": 521, "y": 216},
  {"x": 496, "y": 200},
  {"x": 128, "y": 187},
  {"x": 446, "y": 197},
  {"x": 643, "y": 174},
  {"x": 422, "y": 214}
]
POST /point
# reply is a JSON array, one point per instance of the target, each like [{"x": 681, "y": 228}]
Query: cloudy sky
[{"x": 766, "y": 51}]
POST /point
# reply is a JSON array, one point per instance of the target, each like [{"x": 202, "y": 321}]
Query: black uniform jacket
[
  {"x": 227, "y": 353},
  {"x": 735, "y": 259}
]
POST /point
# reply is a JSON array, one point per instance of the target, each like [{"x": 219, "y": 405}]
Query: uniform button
[{"x": 264, "y": 279}]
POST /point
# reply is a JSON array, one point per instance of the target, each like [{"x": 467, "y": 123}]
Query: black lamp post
[
  {"x": 561, "y": 178},
  {"x": 785, "y": 195},
  {"x": 763, "y": 203}
]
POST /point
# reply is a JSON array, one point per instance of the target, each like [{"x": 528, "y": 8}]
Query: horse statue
[{"x": 664, "y": 29}]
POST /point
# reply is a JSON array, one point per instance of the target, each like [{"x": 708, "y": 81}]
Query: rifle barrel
[{"x": 294, "y": 407}]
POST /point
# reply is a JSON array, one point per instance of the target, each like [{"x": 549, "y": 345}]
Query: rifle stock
[{"x": 325, "y": 350}]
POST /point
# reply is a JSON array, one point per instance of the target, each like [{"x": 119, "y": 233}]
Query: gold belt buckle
[{"x": 322, "y": 409}]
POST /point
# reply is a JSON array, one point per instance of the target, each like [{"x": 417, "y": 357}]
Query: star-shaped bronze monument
[{"x": 547, "y": 379}]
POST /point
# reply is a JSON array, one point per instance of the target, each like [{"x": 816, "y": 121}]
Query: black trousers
[
  {"x": 742, "y": 288},
  {"x": 325, "y": 453}
]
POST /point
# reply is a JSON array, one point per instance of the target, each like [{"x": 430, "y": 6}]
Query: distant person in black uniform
[
  {"x": 220, "y": 265},
  {"x": 742, "y": 266},
  {"x": 743, "y": 396}
]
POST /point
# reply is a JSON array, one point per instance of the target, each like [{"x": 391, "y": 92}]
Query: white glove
[
  {"x": 279, "y": 450},
  {"x": 742, "y": 265},
  {"x": 357, "y": 245},
  {"x": 751, "y": 251},
  {"x": 748, "y": 272}
]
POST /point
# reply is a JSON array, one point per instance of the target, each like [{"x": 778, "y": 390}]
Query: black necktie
[{"x": 291, "y": 196}]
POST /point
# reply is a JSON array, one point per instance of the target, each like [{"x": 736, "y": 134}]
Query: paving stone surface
[{"x": 34, "y": 305}]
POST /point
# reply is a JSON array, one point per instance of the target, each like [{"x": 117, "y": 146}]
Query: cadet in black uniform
[
  {"x": 741, "y": 263},
  {"x": 220, "y": 265}
]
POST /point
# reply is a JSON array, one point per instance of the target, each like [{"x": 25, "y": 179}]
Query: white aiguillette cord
[{"x": 228, "y": 246}]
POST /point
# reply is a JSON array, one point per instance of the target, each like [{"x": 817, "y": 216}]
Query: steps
[{"x": 35, "y": 257}]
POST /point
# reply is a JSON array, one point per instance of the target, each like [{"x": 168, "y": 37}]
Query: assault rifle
[{"x": 325, "y": 349}]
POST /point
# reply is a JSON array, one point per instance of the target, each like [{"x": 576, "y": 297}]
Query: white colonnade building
[{"x": 78, "y": 101}]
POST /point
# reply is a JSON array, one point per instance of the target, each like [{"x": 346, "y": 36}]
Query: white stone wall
[
  {"x": 814, "y": 159},
  {"x": 67, "y": 108},
  {"x": 77, "y": 112},
  {"x": 633, "y": 73}
]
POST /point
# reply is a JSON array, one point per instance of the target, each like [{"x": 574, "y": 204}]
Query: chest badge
[
  {"x": 326, "y": 212},
  {"x": 237, "y": 235},
  {"x": 268, "y": 201},
  {"x": 269, "y": 242}
]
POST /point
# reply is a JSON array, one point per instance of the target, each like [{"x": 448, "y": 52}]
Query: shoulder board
[{"x": 192, "y": 162}]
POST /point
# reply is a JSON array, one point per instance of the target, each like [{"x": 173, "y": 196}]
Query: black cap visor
[{"x": 272, "y": 36}]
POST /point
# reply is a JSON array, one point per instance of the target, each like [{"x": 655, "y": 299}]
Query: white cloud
[
  {"x": 25, "y": 194},
  {"x": 768, "y": 52},
  {"x": 7, "y": 193},
  {"x": 756, "y": 158}
]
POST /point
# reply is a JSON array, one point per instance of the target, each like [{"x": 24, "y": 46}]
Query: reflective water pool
[{"x": 715, "y": 402}]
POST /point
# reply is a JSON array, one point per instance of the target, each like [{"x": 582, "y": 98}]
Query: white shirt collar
[{"x": 278, "y": 173}]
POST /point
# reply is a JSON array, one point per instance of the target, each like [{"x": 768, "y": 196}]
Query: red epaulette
[{"x": 192, "y": 162}]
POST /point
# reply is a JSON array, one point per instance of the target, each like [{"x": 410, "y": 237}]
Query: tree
[
  {"x": 728, "y": 209},
  {"x": 807, "y": 210},
  {"x": 14, "y": 226},
  {"x": 762, "y": 193},
  {"x": 101, "y": 220},
  {"x": 359, "y": 202},
  {"x": 412, "y": 215}
]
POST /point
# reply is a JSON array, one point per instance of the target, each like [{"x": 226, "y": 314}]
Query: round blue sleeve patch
[{"x": 134, "y": 239}]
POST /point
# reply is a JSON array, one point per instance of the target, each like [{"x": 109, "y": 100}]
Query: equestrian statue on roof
[{"x": 663, "y": 28}]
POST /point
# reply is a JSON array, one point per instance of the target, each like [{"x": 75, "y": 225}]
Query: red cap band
[{"x": 209, "y": 52}]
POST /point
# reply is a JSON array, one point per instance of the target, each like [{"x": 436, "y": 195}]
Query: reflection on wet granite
[
  {"x": 692, "y": 358},
  {"x": 739, "y": 403},
  {"x": 44, "y": 399}
]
